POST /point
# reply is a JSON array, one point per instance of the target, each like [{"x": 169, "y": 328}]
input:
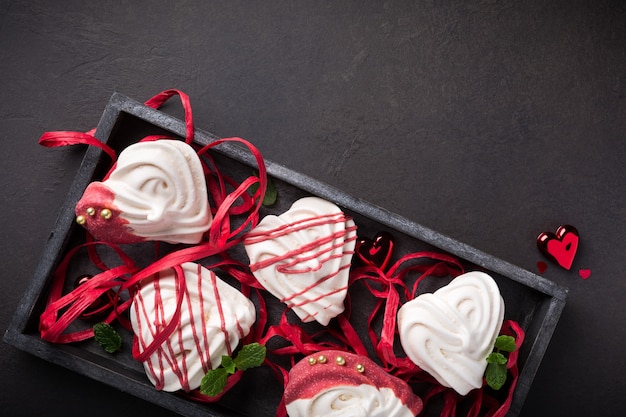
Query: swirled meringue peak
[
  {"x": 214, "y": 317},
  {"x": 340, "y": 384},
  {"x": 157, "y": 191},
  {"x": 450, "y": 333},
  {"x": 303, "y": 257}
]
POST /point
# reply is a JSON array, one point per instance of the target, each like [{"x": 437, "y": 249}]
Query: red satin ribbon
[
  {"x": 481, "y": 400},
  {"x": 160, "y": 99},
  {"x": 62, "y": 310},
  {"x": 388, "y": 287},
  {"x": 65, "y": 138}
]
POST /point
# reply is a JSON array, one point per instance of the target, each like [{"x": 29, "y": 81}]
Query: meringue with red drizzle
[
  {"x": 450, "y": 333},
  {"x": 156, "y": 191},
  {"x": 340, "y": 384},
  {"x": 303, "y": 257},
  {"x": 214, "y": 317}
]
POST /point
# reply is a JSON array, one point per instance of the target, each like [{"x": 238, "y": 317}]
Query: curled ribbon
[
  {"x": 389, "y": 286},
  {"x": 62, "y": 310},
  {"x": 481, "y": 400},
  {"x": 65, "y": 138},
  {"x": 52, "y": 322},
  {"x": 297, "y": 342}
]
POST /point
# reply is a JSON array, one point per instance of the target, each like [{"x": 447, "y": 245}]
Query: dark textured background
[{"x": 488, "y": 122}]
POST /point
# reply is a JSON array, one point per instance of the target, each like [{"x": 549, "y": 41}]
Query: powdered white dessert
[
  {"x": 214, "y": 317},
  {"x": 340, "y": 384},
  {"x": 303, "y": 257},
  {"x": 450, "y": 332},
  {"x": 156, "y": 191}
]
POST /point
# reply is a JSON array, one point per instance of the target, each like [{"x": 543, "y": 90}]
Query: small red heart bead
[
  {"x": 560, "y": 246},
  {"x": 377, "y": 251}
]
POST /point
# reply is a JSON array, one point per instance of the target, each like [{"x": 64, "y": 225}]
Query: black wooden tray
[{"x": 534, "y": 302}]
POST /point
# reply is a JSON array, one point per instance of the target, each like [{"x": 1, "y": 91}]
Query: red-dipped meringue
[
  {"x": 157, "y": 191},
  {"x": 340, "y": 384}
]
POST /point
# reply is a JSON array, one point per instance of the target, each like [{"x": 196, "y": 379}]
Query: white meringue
[
  {"x": 334, "y": 383},
  {"x": 303, "y": 257},
  {"x": 157, "y": 191},
  {"x": 214, "y": 317},
  {"x": 350, "y": 401},
  {"x": 450, "y": 332}
]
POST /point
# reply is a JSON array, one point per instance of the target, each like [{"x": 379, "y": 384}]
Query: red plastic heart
[
  {"x": 560, "y": 246},
  {"x": 377, "y": 251}
]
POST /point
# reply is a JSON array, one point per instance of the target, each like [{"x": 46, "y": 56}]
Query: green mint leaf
[
  {"x": 495, "y": 375},
  {"x": 271, "y": 193},
  {"x": 214, "y": 382},
  {"x": 228, "y": 364},
  {"x": 496, "y": 358},
  {"x": 250, "y": 356},
  {"x": 107, "y": 337},
  {"x": 506, "y": 343},
  {"x": 252, "y": 189}
]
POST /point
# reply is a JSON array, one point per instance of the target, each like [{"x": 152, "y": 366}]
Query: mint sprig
[
  {"x": 271, "y": 192},
  {"x": 214, "y": 382},
  {"x": 496, "y": 372},
  {"x": 107, "y": 337},
  {"x": 250, "y": 356}
]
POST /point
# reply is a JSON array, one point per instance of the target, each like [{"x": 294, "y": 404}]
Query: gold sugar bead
[
  {"x": 360, "y": 368},
  {"x": 80, "y": 219},
  {"x": 91, "y": 211},
  {"x": 106, "y": 214},
  {"x": 321, "y": 359},
  {"x": 341, "y": 361},
  {"x": 312, "y": 361}
]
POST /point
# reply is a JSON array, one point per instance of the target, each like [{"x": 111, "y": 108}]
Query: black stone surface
[{"x": 488, "y": 122}]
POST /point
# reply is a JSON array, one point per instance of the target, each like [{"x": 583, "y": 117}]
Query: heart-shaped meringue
[
  {"x": 340, "y": 384},
  {"x": 303, "y": 257},
  {"x": 156, "y": 191},
  {"x": 450, "y": 333},
  {"x": 214, "y": 317}
]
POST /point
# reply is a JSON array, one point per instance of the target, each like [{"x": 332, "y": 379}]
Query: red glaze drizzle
[
  {"x": 287, "y": 268},
  {"x": 173, "y": 346}
]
